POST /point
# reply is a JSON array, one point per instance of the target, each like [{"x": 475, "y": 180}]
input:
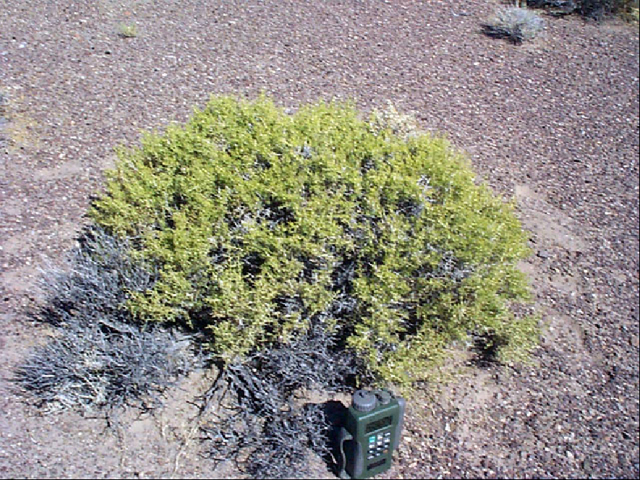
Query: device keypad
[{"x": 378, "y": 445}]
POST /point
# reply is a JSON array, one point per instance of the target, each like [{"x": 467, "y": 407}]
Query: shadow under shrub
[{"x": 259, "y": 222}]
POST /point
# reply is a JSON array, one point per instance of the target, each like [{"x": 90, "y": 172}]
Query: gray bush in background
[{"x": 515, "y": 24}]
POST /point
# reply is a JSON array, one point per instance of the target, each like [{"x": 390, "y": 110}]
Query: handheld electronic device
[{"x": 371, "y": 432}]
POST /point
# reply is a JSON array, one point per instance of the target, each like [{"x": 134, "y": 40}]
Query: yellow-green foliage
[
  {"x": 128, "y": 30},
  {"x": 261, "y": 220}
]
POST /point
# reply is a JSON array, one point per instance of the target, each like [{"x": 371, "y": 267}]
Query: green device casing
[{"x": 371, "y": 433}]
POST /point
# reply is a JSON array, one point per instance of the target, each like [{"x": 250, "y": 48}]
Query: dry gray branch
[{"x": 263, "y": 427}]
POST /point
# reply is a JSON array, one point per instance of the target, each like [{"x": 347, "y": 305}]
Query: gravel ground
[{"x": 553, "y": 123}]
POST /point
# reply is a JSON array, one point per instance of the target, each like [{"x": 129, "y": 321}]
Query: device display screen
[{"x": 378, "y": 424}]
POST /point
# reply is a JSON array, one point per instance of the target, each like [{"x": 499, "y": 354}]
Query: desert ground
[{"x": 552, "y": 124}]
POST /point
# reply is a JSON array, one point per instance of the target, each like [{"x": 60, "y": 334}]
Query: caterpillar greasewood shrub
[{"x": 260, "y": 223}]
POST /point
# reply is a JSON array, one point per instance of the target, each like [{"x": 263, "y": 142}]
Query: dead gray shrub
[
  {"x": 99, "y": 357},
  {"x": 515, "y": 24},
  {"x": 105, "y": 366},
  {"x": 262, "y": 426}
]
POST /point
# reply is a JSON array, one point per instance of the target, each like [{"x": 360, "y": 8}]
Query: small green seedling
[{"x": 128, "y": 30}]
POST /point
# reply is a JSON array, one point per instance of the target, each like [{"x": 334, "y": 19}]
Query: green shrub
[
  {"x": 260, "y": 222},
  {"x": 127, "y": 30}
]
